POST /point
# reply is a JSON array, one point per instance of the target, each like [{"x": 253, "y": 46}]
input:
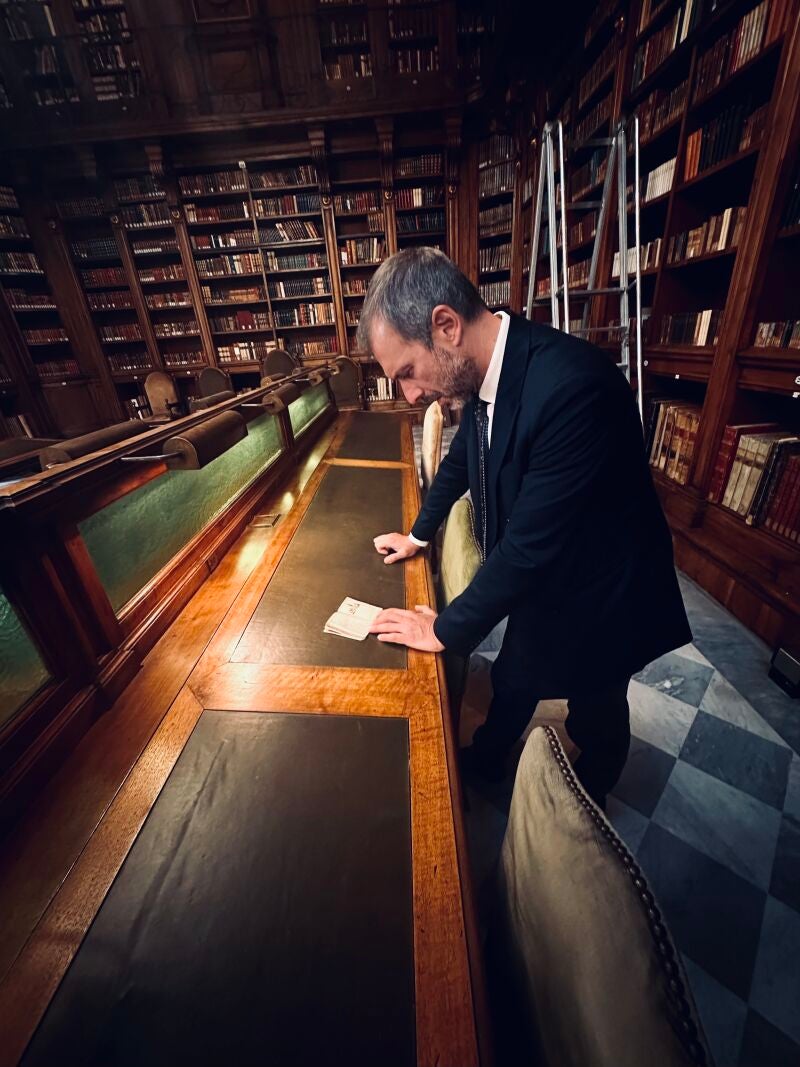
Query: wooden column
[
  {"x": 316, "y": 140},
  {"x": 50, "y": 245},
  {"x": 17, "y": 359},
  {"x": 385, "y": 130},
  {"x": 453, "y": 122}
]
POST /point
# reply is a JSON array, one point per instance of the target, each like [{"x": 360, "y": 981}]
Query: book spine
[{"x": 790, "y": 495}]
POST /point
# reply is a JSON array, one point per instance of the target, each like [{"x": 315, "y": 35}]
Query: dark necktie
[{"x": 482, "y": 420}]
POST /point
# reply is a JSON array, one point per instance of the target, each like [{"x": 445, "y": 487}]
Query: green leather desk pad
[
  {"x": 373, "y": 436},
  {"x": 331, "y": 556},
  {"x": 264, "y": 914}
]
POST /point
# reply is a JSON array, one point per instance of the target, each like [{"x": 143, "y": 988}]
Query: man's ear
[{"x": 446, "y": 326}]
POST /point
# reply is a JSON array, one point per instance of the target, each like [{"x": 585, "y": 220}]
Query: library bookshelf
[{"x": 715, "y": 87}]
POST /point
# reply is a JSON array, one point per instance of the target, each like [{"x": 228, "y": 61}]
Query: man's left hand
[{"x": 411, "y": 628}]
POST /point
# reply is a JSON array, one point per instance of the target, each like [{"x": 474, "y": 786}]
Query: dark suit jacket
[{"x": 578, "y": 550}]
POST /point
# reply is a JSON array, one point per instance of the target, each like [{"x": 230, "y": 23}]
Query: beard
[{"x": 460, "y": 378}]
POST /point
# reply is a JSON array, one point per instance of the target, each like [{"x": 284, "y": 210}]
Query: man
[{"x": 577, "y": 552}]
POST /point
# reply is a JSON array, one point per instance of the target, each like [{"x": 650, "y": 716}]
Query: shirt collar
[{"x": 489, "y": 385}]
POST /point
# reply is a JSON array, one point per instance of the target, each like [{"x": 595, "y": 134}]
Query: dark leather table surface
[
  {"x": 331, "y": 556},
  {"x": 264, "y": 913},
  {"x": 374, "y": 436}
]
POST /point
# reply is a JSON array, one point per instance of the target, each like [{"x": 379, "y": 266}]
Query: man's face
[{"x": 443, "y": 373}]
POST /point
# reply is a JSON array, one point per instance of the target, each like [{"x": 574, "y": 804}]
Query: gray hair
[{"x": 407, "y": 287}]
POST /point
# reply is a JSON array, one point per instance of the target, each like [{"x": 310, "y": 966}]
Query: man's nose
[{"x": 412, "y": 393}]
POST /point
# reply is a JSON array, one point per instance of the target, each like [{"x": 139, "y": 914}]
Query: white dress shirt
[{"x": 489, "y": 385}]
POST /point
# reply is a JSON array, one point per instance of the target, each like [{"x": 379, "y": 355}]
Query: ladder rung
[
  {"x": 593, "y": 142},
  {"x": 584, "y": 204}
]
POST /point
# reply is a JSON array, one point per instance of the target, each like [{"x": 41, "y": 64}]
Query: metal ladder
[{"x": 630, "y": 281}]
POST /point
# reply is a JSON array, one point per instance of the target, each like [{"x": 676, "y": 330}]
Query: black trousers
[{"x": 598, "y": 721}]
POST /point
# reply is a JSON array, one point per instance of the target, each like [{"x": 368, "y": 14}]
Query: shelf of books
[
  {"x": 475, "y": 28},
  {"x": 344, "y": 43},
  {"x": 496, "y": 181},
  {"x": 27, "y": 293},
  {"x": 36, "y": 57},
  {"x": 361, "y": 236},
  {"x": 413, "y": 28},
  {"x": 419, "y": 199},
  {"x": 109, "y": 50},
  {"x": 264, "y": 279},
  {"x": 150, "y": 232}
]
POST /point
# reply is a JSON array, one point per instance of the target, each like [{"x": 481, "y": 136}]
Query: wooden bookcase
[{"x": 719, "y": 128}]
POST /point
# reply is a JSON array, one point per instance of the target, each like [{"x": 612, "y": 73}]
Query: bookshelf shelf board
[
  {"x": 244, "y": 329},
  {"x": 360, "y": 234},
  {"x": 748, "y": 154},
  {"x": 238, "y": 221},
  {"x": 494, "y": 270},
  {"x": 307, "y": 326},
  {"x": 360, "y": 266},
  {"x": 123, "y": 341},
  {"x": 415, "y": 179},
  {"x": 769, "y": 354},
  {"x": 486, "y": 198},
  {"x": 654, "y": 78},
  {"x": 26, "y": 309},
  {"x": 48, "y": 344},
  {"x": 789, "y": 232},
  {"x": 6, "y": 273},
  {"x": 420, "y": 233},
  {"x": 494, "y": 236},
  {"x": 271, "y": 189},
  {"x": 89, "y": 261},
  {"x": 657, "y": 201},
  {"x": 654, "y": 138},
  {"x": 699, "y": 351},
  {"x": 734, "y": 81},
  {"x": 214, "y": 277},
  {"x": 292, "y": 244},
  {"x": 422, "y": 207},
  {"x": 595, "y": 92},
  {"x": 328, "y": 297},
  {"x": 354, "y": 296},
  {"x": 725, "y": 253},
  {"x": 347, "y": 183},
  {"x": 319, "y": 269},
  {"x": 655, "y": 21},
  {"x": 242, "y": 364}
]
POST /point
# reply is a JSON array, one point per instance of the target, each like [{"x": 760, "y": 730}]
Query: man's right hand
[{"x": 395, "y": 546}]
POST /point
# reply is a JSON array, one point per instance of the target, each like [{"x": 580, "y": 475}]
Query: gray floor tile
[
  {"x": 690, "y": 652},
  {"x": 763, "y": 1045},
  {"x": 659, "y": 719},
  {"x": 738, "y": 757},
  {"x": 722, "y": 1014},
  {"x": 786, "y": 871},
  {"x": 715, "y": 916},
  {"x": 730, "y": 826},
  {"x": 742, "y": 657},
  {"x": 791, "y": 803},
  {"x": 678, "y": 677},
  {"x": 628, "y": 822},
  {"x": 644, "y": 776},
  {"x": 722, "y": 700},
  {"x": 775, "y": 992}
]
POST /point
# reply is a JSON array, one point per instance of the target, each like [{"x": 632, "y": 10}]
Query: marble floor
[{"x": 710, "y": 804}]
